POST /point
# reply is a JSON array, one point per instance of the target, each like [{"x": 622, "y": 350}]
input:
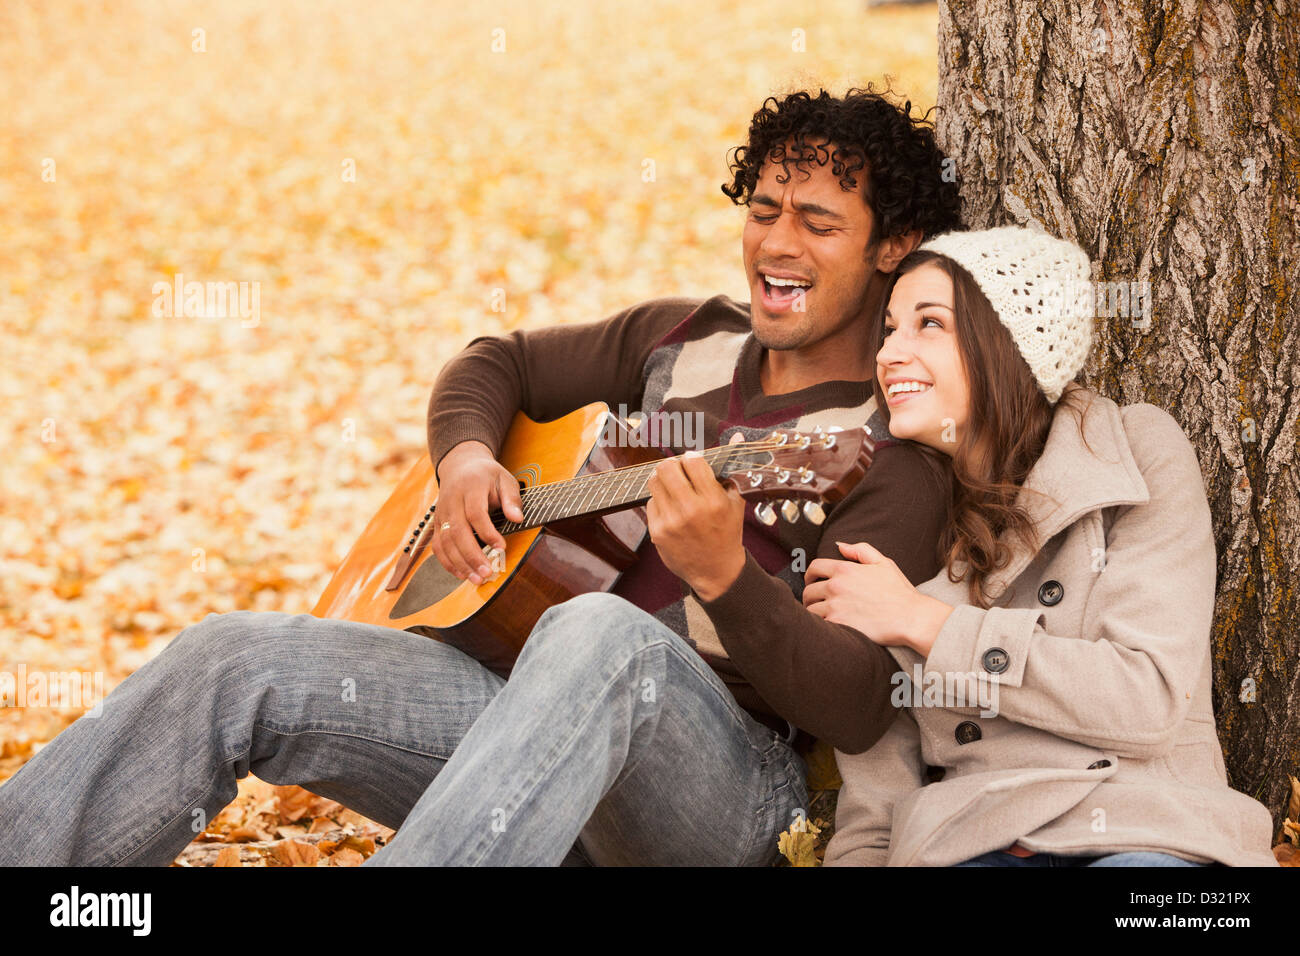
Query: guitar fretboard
[{"x": 621, "y": 488}]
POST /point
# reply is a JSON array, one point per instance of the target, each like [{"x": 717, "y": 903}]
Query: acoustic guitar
[{"x": 582, "y": 481}]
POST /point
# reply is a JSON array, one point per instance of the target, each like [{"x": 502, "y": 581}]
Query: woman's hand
[{"x": 868, "y": 592}]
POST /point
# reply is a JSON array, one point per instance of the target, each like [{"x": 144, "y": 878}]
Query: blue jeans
[
  {"x": 1143, "y": 858},
  {"x": 611, "y": 735}
]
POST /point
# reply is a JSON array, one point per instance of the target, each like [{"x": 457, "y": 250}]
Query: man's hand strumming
[{"x": 470, "y": 483}]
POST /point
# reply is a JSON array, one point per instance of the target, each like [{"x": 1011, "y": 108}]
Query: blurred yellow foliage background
[{"x": 158, "y": 468}]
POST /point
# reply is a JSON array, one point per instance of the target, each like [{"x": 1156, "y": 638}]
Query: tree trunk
[{"x": 1164, "y": 138}]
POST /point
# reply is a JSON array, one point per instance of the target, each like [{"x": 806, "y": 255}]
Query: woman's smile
[{"x": 898, "y": 391}]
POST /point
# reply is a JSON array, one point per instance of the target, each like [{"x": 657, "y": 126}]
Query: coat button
[
  {"x": 1050, "y": 593},
  {"x": 968, "y": 732},
  {"x": 1099, "y": 765},
  {"x": 995, "y": 660}
]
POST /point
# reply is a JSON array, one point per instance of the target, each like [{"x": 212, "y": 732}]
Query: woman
[{"x": 1056, "y": 674}]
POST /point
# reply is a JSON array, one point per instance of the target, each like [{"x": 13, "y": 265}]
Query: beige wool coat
[{"x": 1096, "y": 660}]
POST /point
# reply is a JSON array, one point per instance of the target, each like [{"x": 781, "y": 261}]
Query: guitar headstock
[{"x": 812, "y": 467}]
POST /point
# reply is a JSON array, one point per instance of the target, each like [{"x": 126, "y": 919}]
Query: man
[{"x": 653, "y": 725}]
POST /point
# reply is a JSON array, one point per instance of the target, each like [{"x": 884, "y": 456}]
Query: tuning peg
[
  {"x": 754, "y": 480},
  {"x": 806, "y": 475},
  {"x": 789, "y": 511},
  {"x": 765, "y": 513},
  {"x": 812, "y": 510}
]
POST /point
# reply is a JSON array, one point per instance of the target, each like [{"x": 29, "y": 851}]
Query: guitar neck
[
  {"x": 821, "y": 466},
  {"x": 611, "y": 490}
]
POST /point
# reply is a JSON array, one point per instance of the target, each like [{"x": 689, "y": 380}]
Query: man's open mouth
[{"x": 784, "y": 288}]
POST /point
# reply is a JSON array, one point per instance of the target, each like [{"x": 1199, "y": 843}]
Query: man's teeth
[
  {"x": 908, "y": 387},
  {"x": 773, "y": 280}
]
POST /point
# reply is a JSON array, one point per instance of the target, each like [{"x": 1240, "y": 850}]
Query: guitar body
[{"x": 543, "y": 565}]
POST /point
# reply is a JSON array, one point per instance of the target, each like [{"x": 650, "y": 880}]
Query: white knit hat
[{"x": 1041, "y": 289}]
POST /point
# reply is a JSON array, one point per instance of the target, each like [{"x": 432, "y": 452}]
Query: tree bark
[{"x": 1164, "y": 138}]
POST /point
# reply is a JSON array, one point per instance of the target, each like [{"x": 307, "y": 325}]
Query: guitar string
[
  {"x": 537, "y": 494},
  {"x": 578, "y": 501},
  {"x": 579, "y": 497},
  {"x": 541, "y": 499},
  {"x": 717, "y": 451},
  {"x": 541, "y": 514},
  {"x": 725, "y": 454},
  {"x": 549, "y": 489},
  {"x": 575, "y": 498},
  {"x": 547, "y": 493}
]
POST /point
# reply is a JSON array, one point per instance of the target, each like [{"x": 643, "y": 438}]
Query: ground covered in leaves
[
  {"x": 266, "y": 825},
  {"x": 386, "y": 173}
]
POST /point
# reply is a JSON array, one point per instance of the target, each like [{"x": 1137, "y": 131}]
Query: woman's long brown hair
[{"x": 1005, "y": 432}]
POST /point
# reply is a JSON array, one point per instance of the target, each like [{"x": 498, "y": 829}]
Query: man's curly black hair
[{"x": 906, "y": 186}]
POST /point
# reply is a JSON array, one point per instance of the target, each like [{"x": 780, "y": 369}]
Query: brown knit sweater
[{"x": 687, "y": 356}]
